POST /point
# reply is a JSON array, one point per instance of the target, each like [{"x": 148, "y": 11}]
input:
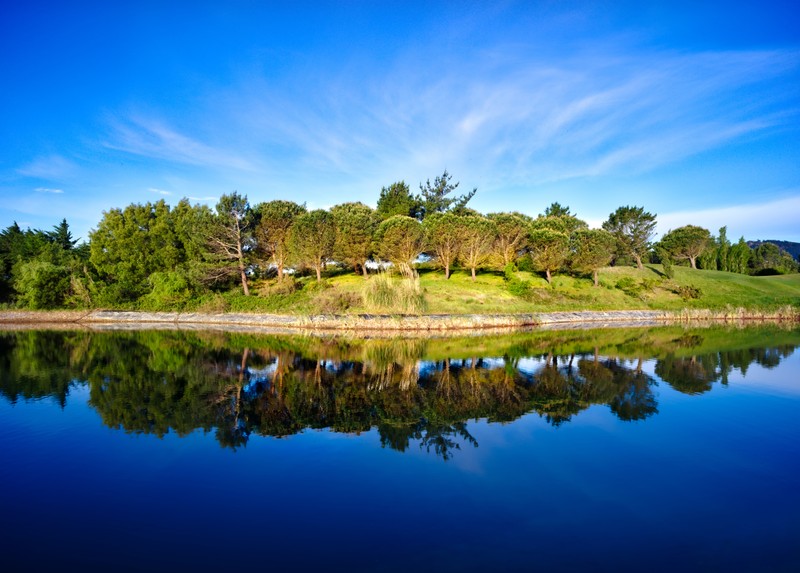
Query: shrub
[
  {"x": 629, "y": 286},
  {"x": 41, "y": 284},
  {"x": 688, "y": 292},
  {"x": 335, "y": 302},
  {"x": 170, "y": 291}
]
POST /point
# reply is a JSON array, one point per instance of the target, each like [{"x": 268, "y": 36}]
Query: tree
[
  {"x": 131, "y": 244},
  {"x": 312, "y": 237},
  {"x": 739, "y": 257},
  {"x": 512, "y": 236},
  {"x": 42, "y": 284},
  {"x": 556, "y": 210},
  {"x": 723, "y": 250},
  {"x": 632, "y": 228},
  {"x": 769, "y": 258},
  {"x": 434, "y": 196},
  {"x": 549, "y": 245},
  {"x": 355, "y": 225},
  {"x": 479, "y": 234},
  {"x": 232, "y": 240},
  {"x": 400, "y": 240},
  {"x": 398, "y": 200},
  {"x": 16, "y": 246},
  {"x": 591, "y": 249},
  {"x": 272, "y": 233},
  {"x": 443, "y": 234},
  {"x": 686, "y": 243},
  {"x": 61, "y": 236}
]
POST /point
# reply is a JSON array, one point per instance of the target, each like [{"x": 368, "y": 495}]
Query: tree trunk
[
  {"x": 549, "y": 278},
  {"x": 638, "y": 261},
  {"x": 280, "y": 272},
  {"x": 245, "y": 288},
  {"x": 692, "y": 261},
  {"x": 473, "y": 274},
  {"x": 364, "y": 270},
  {"x": 318, "y": 267},
  {"x": 240, "y": 255},
  {"x": 447, "y": 271},
  {"x": 596, "y": 276}
]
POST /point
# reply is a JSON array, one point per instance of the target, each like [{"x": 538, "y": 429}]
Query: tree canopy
[
  {"x": 633, "y": 229},
  {"x": 312, "y": 238},
  {"x": 686, "y": 243},
  {"x": 435, "y": 197},
  {"x": 400, "y": 240}
]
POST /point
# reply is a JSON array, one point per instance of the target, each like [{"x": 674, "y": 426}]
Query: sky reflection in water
[{"x": 616, "y": 449}]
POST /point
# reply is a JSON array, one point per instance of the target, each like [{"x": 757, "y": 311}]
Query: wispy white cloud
[
  {"x": 155, "y": 139},
  {"x": 771, "y": 219},
  {"x": 50, "y": 167},
  {"x": 498, "y": 119},
  {"x": 520, "y": 118},
  {"x": 159, "y": 191},
  {"x": 203, "y": 199},
  {"x": 48, "y": 190}
]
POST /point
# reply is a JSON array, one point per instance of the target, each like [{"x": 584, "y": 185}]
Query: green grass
[{"x": 490, "y": 293}]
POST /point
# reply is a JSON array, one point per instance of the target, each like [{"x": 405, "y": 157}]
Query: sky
[{"x": 689, "y": 109}]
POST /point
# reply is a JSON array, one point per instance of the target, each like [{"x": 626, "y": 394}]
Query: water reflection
[{"x": 417, "y": 393}]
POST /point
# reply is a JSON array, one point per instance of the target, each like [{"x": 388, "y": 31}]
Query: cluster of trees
[
  {"x": 697, "y": 247},
  {"x": 167, "y": 255}
]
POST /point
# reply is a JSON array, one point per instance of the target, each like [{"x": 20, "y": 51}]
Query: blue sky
[{"x": 691, "y": 109}]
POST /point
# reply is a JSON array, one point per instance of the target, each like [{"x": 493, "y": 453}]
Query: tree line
[{"x": 154, "y": 253}]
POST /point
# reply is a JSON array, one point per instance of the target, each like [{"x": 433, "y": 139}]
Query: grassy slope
[{"x": 489, "y": 293}]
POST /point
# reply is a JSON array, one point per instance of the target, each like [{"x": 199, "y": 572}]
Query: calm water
[{"x": 620, "y": 450}]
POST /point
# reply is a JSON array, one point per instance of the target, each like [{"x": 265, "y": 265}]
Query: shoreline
[{"x": 397, "y": 323}]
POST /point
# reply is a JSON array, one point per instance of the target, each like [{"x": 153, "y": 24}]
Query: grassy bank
[{"x": 621, "y": 288}]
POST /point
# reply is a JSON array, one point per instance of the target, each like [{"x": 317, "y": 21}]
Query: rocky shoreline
[{"x": 375, "y": 322}]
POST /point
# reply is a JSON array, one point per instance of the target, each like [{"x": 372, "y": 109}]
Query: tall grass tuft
[{"x": 385, "y": 293}]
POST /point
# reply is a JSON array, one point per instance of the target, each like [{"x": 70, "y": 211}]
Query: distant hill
[{"x": 788, "y": 246}]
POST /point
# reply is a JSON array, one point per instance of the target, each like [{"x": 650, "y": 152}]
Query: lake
[{"x": 638, "y": 449}]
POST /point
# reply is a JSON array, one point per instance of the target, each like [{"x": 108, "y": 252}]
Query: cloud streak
[
  {"x": 152, "y": 138},
  {"x": 48, "y": 190},
  {"x": 775, "y": 219},
  {"x": 505, "y": 118}
]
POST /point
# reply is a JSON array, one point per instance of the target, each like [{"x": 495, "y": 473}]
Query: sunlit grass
[{"x": 621, "y": 288}]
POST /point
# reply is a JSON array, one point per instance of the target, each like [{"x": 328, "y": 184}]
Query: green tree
[
  {"x": 232, "y": 238},
  {"x": 400, "y": 240},
  {"x": 355, "y": 226},
  {"x": 398, "y": 200},
  {"x": 42, "y": 284},
  {"x": 16, "y": 247},
  {"x": 511, "y": 238},
  {"x": 434, "y": 196},
  {"x": 633, "y": 228},
  {"x": 444, "y": 235},
  {"x": 739, "y": 257},
  {"x": 723, "y": 250},
  {"x": 591, "y": 249},
  {"x": 61, "y": 236},
  {"x": 272, "y": 233},
  {"x": 129, "y": 245},
  {"x": 686, "y": 243},
  {"x": 769, "y": 258},
  {"x": 479, "y": 235},
  {"x": 556, "y": 210},
  {"x": 312, "y": 238},
  {"x": 549, "y": 245}
]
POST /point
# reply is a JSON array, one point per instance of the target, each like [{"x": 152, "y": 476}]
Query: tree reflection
[{"x": 413, "y": 392}]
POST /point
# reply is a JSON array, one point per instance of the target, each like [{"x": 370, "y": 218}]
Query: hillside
[
  {"x": 620, "y": 288},
  {"x": 790, "y": 247}
]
